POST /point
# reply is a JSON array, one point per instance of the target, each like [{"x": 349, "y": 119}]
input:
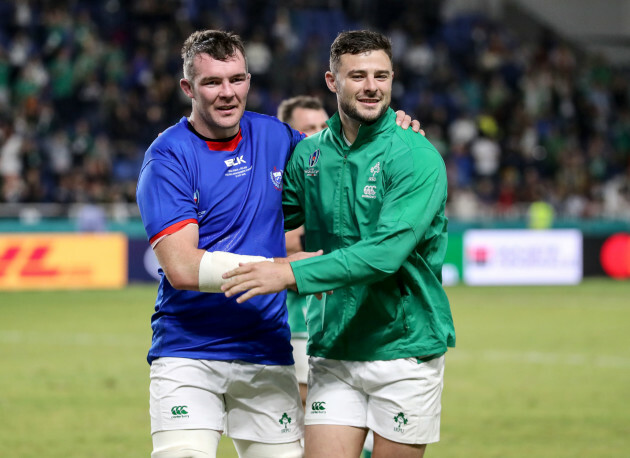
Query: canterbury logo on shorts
[
  {"x": 318, "y": 406},
  {"x": 179, "y": 410}
]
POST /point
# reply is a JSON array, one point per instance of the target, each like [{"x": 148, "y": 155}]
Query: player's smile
[{"x": 369, "y": 102}]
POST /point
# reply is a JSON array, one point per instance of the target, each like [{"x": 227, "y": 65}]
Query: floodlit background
[{"x": 528, "y": 101}]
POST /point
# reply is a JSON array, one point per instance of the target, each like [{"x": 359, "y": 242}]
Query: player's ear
[
  {"x": 186, "y": 87},
  {"x": 331, "y": 82}
]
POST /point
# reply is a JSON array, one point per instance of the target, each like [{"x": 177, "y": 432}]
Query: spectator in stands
[{"x": 61, "y": 62}]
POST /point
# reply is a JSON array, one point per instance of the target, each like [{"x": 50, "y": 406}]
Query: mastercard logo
[{"x": 615, "y": 256}]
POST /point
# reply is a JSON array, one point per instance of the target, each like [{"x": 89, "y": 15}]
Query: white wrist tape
[{"x": 215, "y": 263}]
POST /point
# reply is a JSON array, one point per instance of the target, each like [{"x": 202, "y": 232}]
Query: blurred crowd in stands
[{"x": 86, "y": 86}]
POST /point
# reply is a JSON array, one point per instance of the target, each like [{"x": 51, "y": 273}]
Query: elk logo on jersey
[
  {"x": 235, "y": 161},
  {"x": 276, "y": 178}
]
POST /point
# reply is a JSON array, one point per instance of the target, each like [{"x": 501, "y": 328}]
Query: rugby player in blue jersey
[{"x": 209, "y": 193}]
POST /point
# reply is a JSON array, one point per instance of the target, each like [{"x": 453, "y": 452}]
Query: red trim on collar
[{"x": 225, "y": 146}]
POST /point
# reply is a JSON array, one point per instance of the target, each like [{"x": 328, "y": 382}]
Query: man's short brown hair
[
  {"x": 357, "y": 42},
  {"x": 217, "y": 44}
]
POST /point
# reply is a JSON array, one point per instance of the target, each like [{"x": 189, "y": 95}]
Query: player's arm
[
  {"x": 169, "y": 214},
  {"x": 187, "y": 267},
  {"x": 179, "y": 257},
  {"x": 412, "y": 211},
  {"x": 293, "y": 240},
  {"x": 412, "y": 201}
]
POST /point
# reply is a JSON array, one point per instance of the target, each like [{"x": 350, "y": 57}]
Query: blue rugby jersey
[{"x": 233, "y": 191}]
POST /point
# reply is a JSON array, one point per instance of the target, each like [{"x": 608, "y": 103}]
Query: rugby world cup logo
[{"x": 313, "y": 158}]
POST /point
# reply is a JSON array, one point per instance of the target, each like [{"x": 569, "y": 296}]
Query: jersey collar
[
  {"x": 366, "y": 131},
  {"x": 229, "y": 144}
]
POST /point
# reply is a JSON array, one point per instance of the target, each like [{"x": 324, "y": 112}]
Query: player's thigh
[
  {"x": 301, "y": 359},
  {"x": 263, "y": 404},
  {"x": 186, "y": 443},
  {"x": 301, "y": 365},
  {"x": 385, "y": 448},
  {"x": 404, "y": 403},
  {"x": 333, "y": 441},
  {"x": 187, "y": 394},
  {"x": 334, "y": 397},
  {"x": 251, "y": 449}
]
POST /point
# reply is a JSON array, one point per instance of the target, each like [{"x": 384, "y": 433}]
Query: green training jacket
[{"x": 376, "y": 208}]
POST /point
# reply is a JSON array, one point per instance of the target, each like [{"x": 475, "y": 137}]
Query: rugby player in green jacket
[{"x": 372, "y": 196}]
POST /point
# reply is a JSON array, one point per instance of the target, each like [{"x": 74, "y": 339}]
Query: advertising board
[
  {"x": 522, "y": 257},
  {"x": 62, "y": 261}
]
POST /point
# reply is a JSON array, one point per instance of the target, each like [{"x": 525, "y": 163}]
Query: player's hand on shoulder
[{"x": 404, "y": 121}]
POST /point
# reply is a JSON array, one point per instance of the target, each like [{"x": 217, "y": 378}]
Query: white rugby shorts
[
  {"x": 398, "y": 399},
  {"x": 247, "y": 401}
]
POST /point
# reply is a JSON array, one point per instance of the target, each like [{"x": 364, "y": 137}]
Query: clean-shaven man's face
[{"x": 219, "y": 94}]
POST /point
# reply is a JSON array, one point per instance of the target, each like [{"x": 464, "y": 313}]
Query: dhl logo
[
  {"x": 62, "y": 261},
  {"x": 34, "y": 261}
]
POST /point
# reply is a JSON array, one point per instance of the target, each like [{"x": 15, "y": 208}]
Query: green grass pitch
[{"x": 538, "y": 371}]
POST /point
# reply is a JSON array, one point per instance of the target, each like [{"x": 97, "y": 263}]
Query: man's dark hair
[
  {"x": 217, "y": 44},
  {"x": 357, "y": 42},
  {"x": 288, "y": 106}
]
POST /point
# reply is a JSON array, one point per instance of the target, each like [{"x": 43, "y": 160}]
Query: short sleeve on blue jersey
[{"x": 165, "y": 196}]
